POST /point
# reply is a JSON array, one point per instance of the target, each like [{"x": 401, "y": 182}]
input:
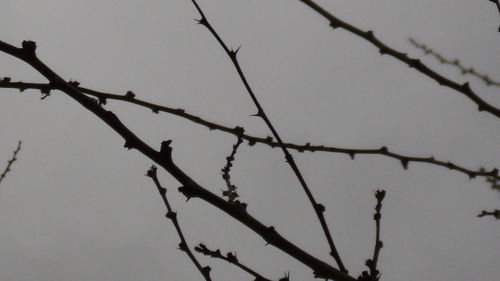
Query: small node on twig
[
  {"x": 171, "y": 215},
  {"x": 151, "y": 172},
  {"x": 334, "y": 24},
  {"x": 206, "y": 270},
  {"x": 165, "y": 148},
  {"x": 130, "y": 95},
  {"x": 202, "y": 21},
  {"x": 319, "y": 208},
  {"x": 183, "y": 247},
  {"x": 369, "y": 34},
  {"x": 29, "y": 47},
  {"x": 414, "y": 63}
]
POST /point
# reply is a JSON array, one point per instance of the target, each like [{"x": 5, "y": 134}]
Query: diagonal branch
[
  {"x": 374, "y": 274},
  {"x": 318, "y": 208},
  {"x": 464, "y": 70},
  {"x": 11, "y": 161},
  {"x": 183, "y": 246},
  {"x": 164, "y": 159},
  {"x": 411, "y": 62},
  {"x": 45, "y": 88}
]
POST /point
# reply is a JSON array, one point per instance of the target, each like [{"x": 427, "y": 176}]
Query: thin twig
[
  {"x": 11, "y": 161},
  {"x": 5, "y": 82},
  {"x": 456, "y": 63},
  {"x": 183, "y": 246},
  {"x": 374, "y": 274},
  {"x": 164, "y": 159},
  {"x": 411, "y": 62},
  {"x": 494, "y": 213},
  {"x": 230, "y": 258},
  {"x": 231, "y": 192},
  {"x": 318, "y": 208}
]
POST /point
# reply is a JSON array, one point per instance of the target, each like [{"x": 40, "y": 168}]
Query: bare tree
[{"x": 228, "y": 201}]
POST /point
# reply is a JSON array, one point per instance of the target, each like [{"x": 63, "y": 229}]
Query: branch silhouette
[
  {"x": 319, "y": 209},
  {"x": 456, "y": 63},
  {"x": 183, "y": 245},
  {"x": 230, "y": 258},
  {"x": 405, "y": 160},
  {"x": 411, "y": 62},
  {"x": 11, "y": 161},
  {"x": 163, "y": 157}
]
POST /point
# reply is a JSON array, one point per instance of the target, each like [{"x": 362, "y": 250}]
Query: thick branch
[
  {"x": 163, "y": 158},
  {"x": 413, "y": 63}
]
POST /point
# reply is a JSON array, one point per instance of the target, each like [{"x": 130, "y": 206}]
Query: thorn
[{"x": 404, "y": 162}]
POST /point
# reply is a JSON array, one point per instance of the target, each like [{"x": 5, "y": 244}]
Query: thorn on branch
[
  {"x": 404, "y": 162},
  {"x": 234, "y": 53},
  {"x": 203, "y": 21}
]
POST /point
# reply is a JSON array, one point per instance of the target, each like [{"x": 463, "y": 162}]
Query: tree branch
[
  {"x": 319, "y": 209},
  {"x": 411, "y": 62},
  {"x": 163, "y": 158},
  {"x": 11, "y": 161},
  {"x": 230, "y": 258},
  {"x": 456, "y": 63},
  {"x": 45, "y": 88},
  {"x": 183, "y": 246}
]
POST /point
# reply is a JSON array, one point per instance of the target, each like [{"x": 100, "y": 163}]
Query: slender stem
[
  {"x": 205, "y": 271},
  {"x": 318, "y": 208},
  {"x": 352, "y": 152},
  {"x": 230, "y": 258},
  {"x": 11, "y": 161}
]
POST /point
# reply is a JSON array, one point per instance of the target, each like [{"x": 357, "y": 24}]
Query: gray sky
[{"x": 77, "y": 206}]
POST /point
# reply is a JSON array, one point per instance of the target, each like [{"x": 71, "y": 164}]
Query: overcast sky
[{"x": 77, "y": 205}]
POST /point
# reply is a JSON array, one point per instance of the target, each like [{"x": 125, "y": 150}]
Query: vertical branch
[
  {"x": 374, "y": 274},
  {"x": 11, "y": 161},
  {"x": 231, "y": 192},
  {"x": 318, "y": 208},
  {"x": 183, "y": 246}
]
